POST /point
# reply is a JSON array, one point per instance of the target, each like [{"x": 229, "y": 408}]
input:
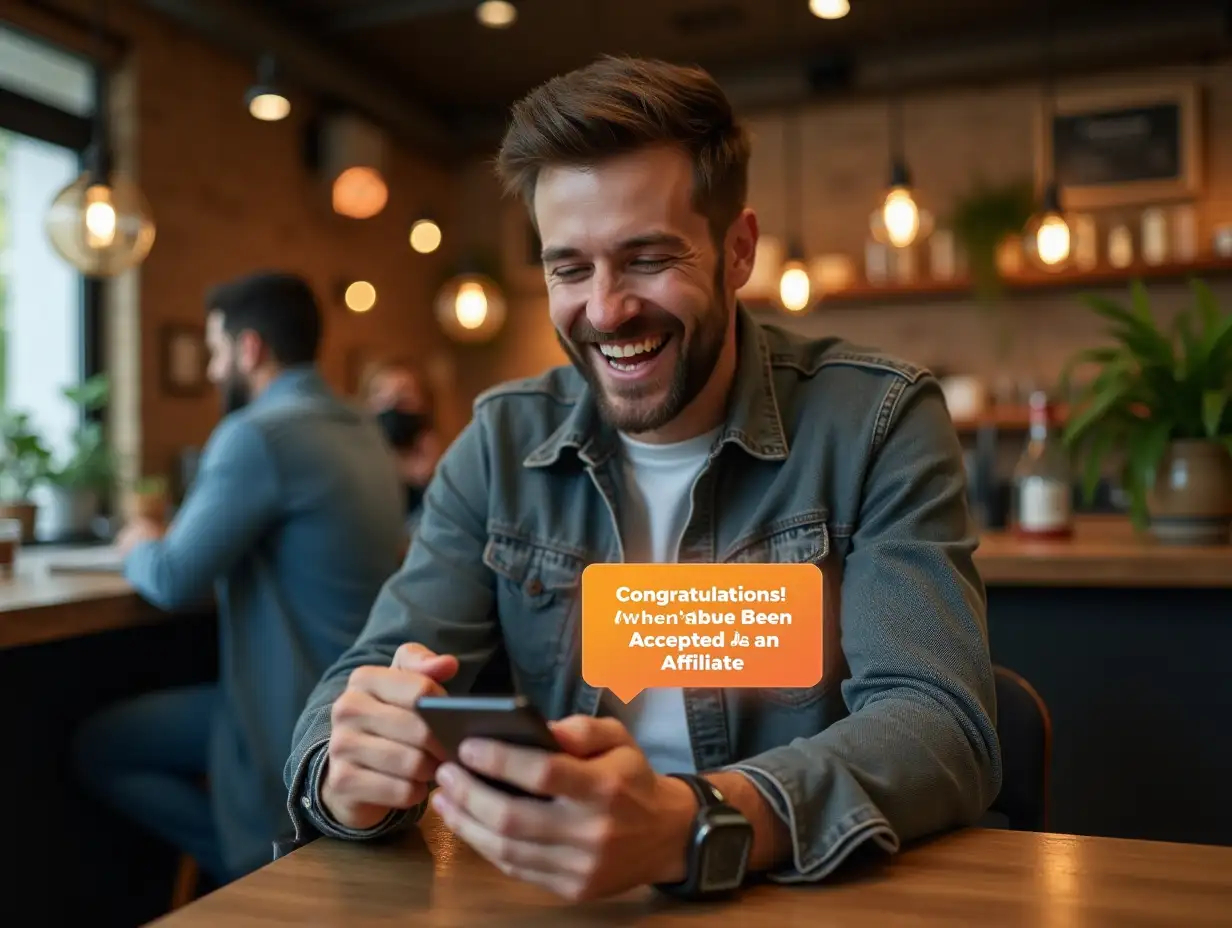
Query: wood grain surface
[
  {"x": 38, "y": 606},
  {"x": 974, "y": 877},
  {"x": 1104, "y": 552}
]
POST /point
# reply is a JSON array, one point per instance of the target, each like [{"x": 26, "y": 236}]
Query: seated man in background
[
  {"x": 684, "y": 430},
  {"x": 399, "y": 395},
  {"x": 294, "y": 522}
]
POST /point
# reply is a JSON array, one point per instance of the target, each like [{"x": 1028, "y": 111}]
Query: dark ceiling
[
  {"x": 433, "y": 57},
  {"x": 436, "y": 50}
]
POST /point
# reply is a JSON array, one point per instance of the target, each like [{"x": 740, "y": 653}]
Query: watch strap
[{"x": 707, "y": 795}]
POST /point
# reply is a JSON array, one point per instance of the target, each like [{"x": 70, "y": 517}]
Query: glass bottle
[{"x": 1042, "y": 485}]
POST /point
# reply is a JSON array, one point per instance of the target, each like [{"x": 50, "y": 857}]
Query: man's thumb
[{"x": 418, "y": 659}]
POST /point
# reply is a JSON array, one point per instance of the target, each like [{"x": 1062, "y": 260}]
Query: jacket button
[{"x": 534, "y": 586}]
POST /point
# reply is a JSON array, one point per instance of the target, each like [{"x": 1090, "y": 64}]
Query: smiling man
[{"x": 685, "y": 430}]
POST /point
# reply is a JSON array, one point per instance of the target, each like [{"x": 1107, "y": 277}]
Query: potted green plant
[
  {"x": 1160, "y": 400},
  {"x": 24, "y": 464},
  {"x": 987, "y": 220},
  {"x": 148, "y": 499},
  {"x": 78, "y": 483}
]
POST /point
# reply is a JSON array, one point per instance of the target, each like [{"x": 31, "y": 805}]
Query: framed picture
[
  {"x": 1122, "y": 148},
  {"x": 184, "y": 360}
]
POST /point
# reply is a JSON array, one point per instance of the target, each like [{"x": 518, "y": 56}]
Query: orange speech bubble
[{"x": 701, "y": 625}]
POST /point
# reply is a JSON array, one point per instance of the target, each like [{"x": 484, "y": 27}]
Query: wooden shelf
[{"x": 1026, "y": 282}]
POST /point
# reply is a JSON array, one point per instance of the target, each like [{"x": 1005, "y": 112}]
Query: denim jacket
[{"x": 831, "y": 455}]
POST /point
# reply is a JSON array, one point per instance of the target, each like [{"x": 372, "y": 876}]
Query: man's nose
[{"x": 609, "y": 306}]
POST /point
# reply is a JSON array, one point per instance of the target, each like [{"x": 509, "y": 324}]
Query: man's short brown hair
[{"x": 617, "y": 105}]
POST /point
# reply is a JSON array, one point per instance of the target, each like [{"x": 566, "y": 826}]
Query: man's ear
[
  {"x": 741, "y": 248},
  {"x": 250, "y": 351}
]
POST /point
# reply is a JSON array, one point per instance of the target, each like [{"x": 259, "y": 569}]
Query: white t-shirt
[{"x": 655, "y": 508}]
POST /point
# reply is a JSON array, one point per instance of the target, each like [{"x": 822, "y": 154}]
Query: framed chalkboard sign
[{"x": 1122, "y": 148}]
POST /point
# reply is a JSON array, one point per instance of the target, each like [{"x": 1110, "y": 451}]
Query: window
[{"x": 47, "y": 310}]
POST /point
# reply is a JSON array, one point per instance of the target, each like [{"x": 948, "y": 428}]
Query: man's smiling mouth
[{"x": 629, "y": 356}]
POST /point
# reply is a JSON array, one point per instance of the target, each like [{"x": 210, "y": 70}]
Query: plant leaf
[
  {"x": 1140, "y": 334},
  {"x": 1106, "y": 355},
  {"x": 1146, "y": 448},
  {"x": 1095, "y": 454},
  {"x": 1204, "y": 299},
  {"x": 1213, "y": 404},
  {"x": 1099, "y": 406}
]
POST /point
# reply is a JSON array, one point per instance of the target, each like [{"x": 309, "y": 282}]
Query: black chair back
[{"x": 1024, "y": 727}]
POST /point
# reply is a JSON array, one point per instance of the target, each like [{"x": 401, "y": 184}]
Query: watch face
[{"x": 725, "y": 844}]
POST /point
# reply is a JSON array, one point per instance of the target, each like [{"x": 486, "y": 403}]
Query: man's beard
[
  {"x": 696, "y": 360},
  {"x": 236, "y": 394}
]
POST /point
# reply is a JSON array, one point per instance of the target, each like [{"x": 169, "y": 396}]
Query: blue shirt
[{"x": 294, "y": 522}]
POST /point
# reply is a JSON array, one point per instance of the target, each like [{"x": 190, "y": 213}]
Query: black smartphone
[{"x": 510, "y": 719}]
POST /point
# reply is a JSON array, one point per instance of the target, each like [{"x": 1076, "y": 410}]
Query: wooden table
[
  {"x": 38, "y": 606},
  {"x": 1104, "y": 552},
  {"x": 974, "y": 877}
]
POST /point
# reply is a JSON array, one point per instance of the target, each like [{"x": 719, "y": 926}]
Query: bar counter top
[
  {"x": 38, "y": 605},
  {"x": 1104, "y": 551}
]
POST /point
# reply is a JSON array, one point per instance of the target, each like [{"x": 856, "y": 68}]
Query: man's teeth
[{"x": 636, "y": 348}]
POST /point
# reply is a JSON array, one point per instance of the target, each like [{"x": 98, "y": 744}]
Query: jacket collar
[
  {"x": 299, "y": 380},
  {"x": 753, "y": 422}
]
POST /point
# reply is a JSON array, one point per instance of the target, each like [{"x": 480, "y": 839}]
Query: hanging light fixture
[
  {"x": 359, "y": 296},
  {"x": 829, "y": 9},
  {"x": 899, "y": 221},
  {"x": 1047, "y": 239},
  {"x": 470, "y": 307},
  {"x": 265, "y": 100},
  {"x": 101, "y": 223},
  {"x": 425, "y": 236},
  {"x": 795, "y": 293},
  {"x": 496, "y": 14}
]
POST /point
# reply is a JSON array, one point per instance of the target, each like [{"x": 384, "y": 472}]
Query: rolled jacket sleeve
[
  {"x": 918, "y": 752},
  {"x": 235, "y": 498}
]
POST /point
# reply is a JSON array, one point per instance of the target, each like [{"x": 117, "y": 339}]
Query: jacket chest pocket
[
  {"x": 800, "y": 539},
  {"x": 537, "y": 593}
]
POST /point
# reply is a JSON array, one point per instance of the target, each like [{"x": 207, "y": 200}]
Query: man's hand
[
  {"x": 614, "y": 823},
  {"x": 136, "y": 531},
  {"x": 381, "y": 754}
]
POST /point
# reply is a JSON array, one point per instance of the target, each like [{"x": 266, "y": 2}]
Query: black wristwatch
[{"x": 719, "y": 845}]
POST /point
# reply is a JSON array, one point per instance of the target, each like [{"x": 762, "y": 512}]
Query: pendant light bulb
[
  {"x": 899, "y": 221},
  {"x": 1052, "y": 239},
  {"x": 1049, "y": 241},
  {"x": 101, "y": 224},
  {"x": 265, "y": 99},
  {"x": 829, "y": 9},
  {"x": 496, "y": 14},
  {"x": 100, "y": 217},
  {"x": 470, "y": 307},
  {"x": 901, "y": 217}
]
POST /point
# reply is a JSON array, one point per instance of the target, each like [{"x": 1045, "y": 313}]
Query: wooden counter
[
  {"x": 973, "y": 877},
  {"x": 38, "y": 606},
  {"x": 1104, "y": 552}
]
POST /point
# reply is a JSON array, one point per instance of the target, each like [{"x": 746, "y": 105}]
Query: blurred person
[
  {"x": 684, "y": 430},
  {"x": 399, "y": 395},
  {"x": 293, "y": 523}
]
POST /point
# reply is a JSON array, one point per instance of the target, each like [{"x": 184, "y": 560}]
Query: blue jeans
[{"x": 147, "y": 758}]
